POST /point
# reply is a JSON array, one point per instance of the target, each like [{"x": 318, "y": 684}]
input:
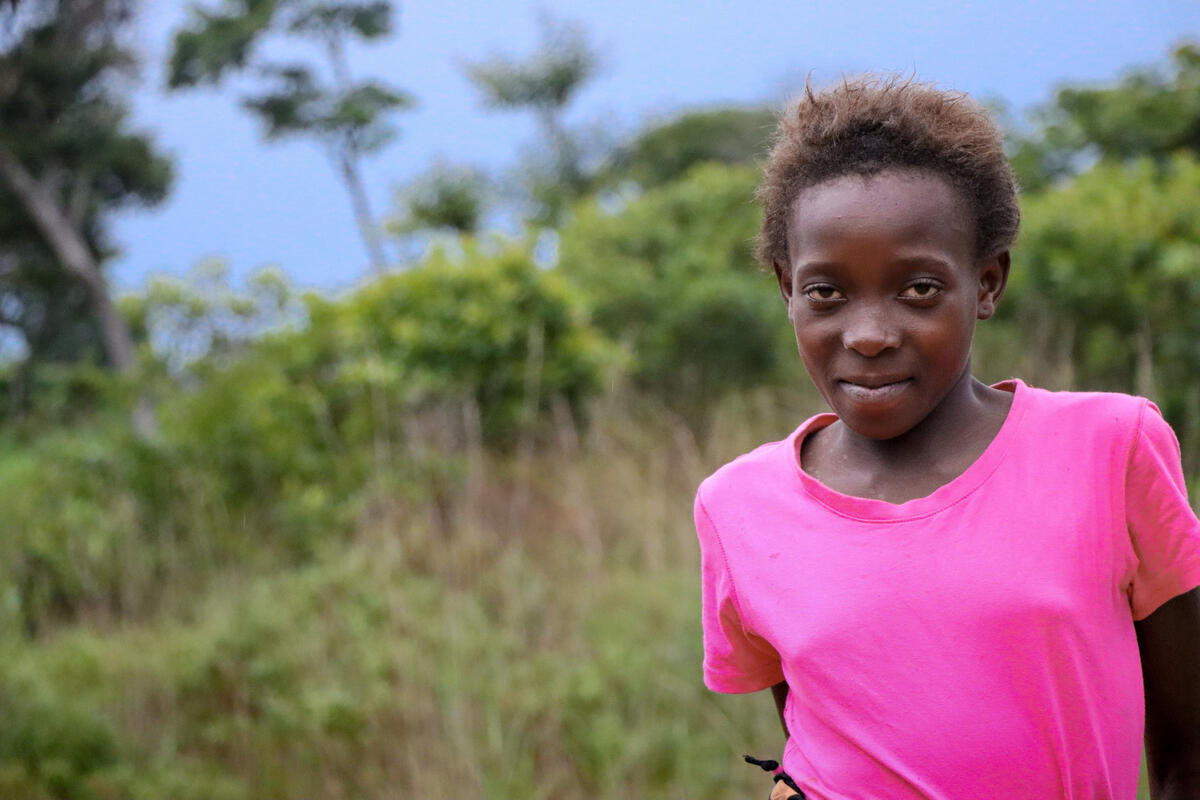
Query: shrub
[{"x": 671, "y": 276}]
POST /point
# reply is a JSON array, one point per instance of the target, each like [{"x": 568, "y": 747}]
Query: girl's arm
[
  {"x": 779, "y": 692},
  {"x": 1169, "y": 641}
]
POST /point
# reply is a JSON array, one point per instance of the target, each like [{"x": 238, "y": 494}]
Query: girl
[{"x": 954, "y": 590}]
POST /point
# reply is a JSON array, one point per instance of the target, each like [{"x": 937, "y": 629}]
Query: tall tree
[
  {"x": 665, "y": 150},
  {"x": 1108, "y": 269},
  {"x": 1149, "y": 112},
  {"x": 67, "y": 160},
  {"x": 447, "y": 197},
  {"x": 545, "y": 83},
  {"x": 348, "y": 117}
]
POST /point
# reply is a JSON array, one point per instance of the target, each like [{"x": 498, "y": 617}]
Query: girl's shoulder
[
  {"x": 764, "y": 468},
  {"x": 1088, "y": 423},
  {"x": 1084, "y": 400}
]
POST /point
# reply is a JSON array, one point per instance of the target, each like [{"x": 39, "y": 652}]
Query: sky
[{"x": 256, "y": 204}]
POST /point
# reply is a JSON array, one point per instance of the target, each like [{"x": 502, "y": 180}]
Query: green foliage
[
  {"x": 66, "y": 124},
  {"x": 491, "y": 330},
  {"x": 202, "y": 316},
  {"x": 671, "y": 275},
  {"x": 61, "y": 106},
  {"x": 289, "y": 676},
  {"x": 446, "y": 198},
  {"x": 665, "y": 151},
  {"x": 546, "y": 80},
  {"x": 355, "y": 675},
  {"x": 96, "y": 518},
  {"x": 351, "y": 116},
  {"x": 545, "y": 83},
  {"x": 350, "y": 119},
  {"x": 217, "y": 42},
  {"x": 275, "y": 442},
  {"x": 92, "y": 522},
  {"x": 50, "y": 748},
  {"x": 222, "y": 41},
  {"x": 1112, "y": 261},
  {"x": 368, "y": 20},
  {"x": 298, "y": 106},
  {"x": 1149, "y": 112}
]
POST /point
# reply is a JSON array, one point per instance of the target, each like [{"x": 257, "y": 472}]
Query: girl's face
[{"x": 883, "y": 290}]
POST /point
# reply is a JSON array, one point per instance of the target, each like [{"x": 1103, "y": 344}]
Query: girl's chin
[{"x": 878, "y": 426}]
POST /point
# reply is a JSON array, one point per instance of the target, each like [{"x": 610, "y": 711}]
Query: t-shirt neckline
[{"x": 871, "y": 509}]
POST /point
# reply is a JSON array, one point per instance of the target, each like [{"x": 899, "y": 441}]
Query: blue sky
[{"x": 255, "y": 204}]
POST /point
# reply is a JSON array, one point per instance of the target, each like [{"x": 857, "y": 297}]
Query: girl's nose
[{"x": 869, "y": 334}]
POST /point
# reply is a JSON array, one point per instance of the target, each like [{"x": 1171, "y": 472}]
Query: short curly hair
[{"x": 868, "y": 124}]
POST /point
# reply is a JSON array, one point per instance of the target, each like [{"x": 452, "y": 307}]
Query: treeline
[{"x": 431, "y": 536}]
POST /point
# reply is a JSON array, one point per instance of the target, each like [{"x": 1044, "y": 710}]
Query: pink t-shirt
[{"x": 974, "y": 643}]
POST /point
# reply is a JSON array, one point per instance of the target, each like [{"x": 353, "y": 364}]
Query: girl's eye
[
  {"x": 822, "y": 293},
  {"x": 921, "y": 290}
]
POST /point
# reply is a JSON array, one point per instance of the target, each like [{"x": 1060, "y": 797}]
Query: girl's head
[
  {"x": 889, "y": 211},
  {"x": 867, "y": 125}
]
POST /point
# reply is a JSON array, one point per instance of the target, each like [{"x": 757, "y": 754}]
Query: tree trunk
[
  {"x": 347, "y": 158},
  {"x": 73, "y": 253},
  {"x": 566, "y": 159},
  {"x": 348, "y": 164},
  {"x": 1144, "y": 369}
]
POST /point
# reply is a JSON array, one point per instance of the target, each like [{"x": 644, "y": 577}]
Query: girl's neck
[{"x": 934, "y": 452}]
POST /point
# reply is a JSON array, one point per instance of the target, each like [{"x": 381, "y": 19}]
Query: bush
[
  {"x": 672, "y": 277},
  {"x": 490, "y": 329},
  {"x": 87, "y": 521},
  {"x": 1108, "y": 271},
  {"x": 50, "y": 747}
]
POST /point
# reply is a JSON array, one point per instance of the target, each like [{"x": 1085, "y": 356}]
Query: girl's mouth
[{"x": 874, "y": 392}]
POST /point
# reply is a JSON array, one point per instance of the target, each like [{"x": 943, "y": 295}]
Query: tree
[
  {"x": 672, "y": 277},
  {"x": 446, "y": 198},
  {"x": 664, "y": 151},
  {"x": 545, "y": 83},
  {"x": 68, "y": 159},
  {"x": 1108, "y": 269},
  {"x": 348, "y": 117},
  {"x": 1149, "y": 112}
]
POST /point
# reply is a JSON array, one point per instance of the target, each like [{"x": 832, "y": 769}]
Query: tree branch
[
  {"x": 37, "y": 199},
  {"x": 81, "y": 195}
]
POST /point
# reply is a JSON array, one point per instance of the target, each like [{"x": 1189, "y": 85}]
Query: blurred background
[{"x": 359, "y": 361}]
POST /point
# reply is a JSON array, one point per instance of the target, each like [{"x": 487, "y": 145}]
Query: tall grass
[{"x": 528, "y": 630}]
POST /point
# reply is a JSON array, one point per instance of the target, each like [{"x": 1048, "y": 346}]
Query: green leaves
[
  {"x": 671, "y": 276},
  {"x": 298, "y": 105},
  {"x": 1150, "y": 112},
  {"x": 545, "y": 80},
  {"x": 467, "y": 331},
  {"x": 349, "y": 118},
  {"x": 72, "y": 147},
  {"x": 446, "y": 198},
  {"x": 666, "y": 151},
  {"x": 367, "y": 20},
  {"x": 1111, "y": 260},
  {"x": 545, "y": 83},
  {"x": 218, "y": 42}
]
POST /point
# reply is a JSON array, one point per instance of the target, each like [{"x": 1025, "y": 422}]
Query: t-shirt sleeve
[
  {"x": 1162, "y": 525},
  {"x": 735, "y": 660}
]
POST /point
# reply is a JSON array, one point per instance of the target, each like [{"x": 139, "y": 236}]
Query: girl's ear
[
  {"x": 783, "y": 273},
  {"x": 993, "y": 277}
]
